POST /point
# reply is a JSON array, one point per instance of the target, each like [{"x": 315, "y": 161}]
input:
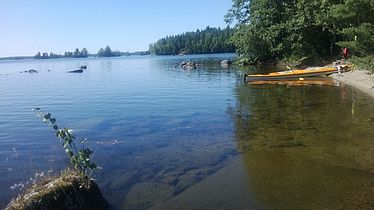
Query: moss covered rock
[{"x": 68, "y": 191}]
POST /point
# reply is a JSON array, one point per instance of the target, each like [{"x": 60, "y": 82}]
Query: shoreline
[{"x": 360, "y": 79}]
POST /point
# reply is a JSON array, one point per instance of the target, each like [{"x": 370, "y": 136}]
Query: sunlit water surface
[{"x": 169, "y": 138}]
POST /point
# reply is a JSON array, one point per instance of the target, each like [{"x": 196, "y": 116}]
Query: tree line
[
  {"x": 282, "y": 29},
  {"x": 106, "y": 52},
  {"x": 209, "y": 40},
  {"x": 76, "y": 54}
]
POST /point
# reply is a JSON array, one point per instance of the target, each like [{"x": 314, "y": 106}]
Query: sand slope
[{"x": 362, "y": 80}]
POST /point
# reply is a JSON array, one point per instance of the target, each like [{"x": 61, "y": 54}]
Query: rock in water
[
  {"x": 188, "y": 65},
  {"x": 32, "y": 71},
  {"x": 226, "y": 63},
  {"x": 69, "y": 191},
  {"x": 76, "y": 71}
]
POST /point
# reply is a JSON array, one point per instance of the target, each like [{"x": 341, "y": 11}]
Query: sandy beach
[{"x": 360, "y": 79}]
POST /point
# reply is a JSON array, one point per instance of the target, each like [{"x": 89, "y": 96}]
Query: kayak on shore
[
  {"x": 318, "y": 81},
  {"x": 295, "y": 74}
]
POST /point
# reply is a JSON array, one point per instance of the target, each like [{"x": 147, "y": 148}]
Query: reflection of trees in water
[
  {"x": 271, "y": 115},
  {"x": 302, "y": 148}
]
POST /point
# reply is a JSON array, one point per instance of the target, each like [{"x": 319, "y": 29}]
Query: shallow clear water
[
  {"x": 171, "y": 138},
  {"x": 307, "y": 147}
]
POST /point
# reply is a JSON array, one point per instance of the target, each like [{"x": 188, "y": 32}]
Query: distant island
[
  {"x": 75, "y": 54},
  {"x": 103, "y": 52},
  {"x": 206, "y": 41},
  {"x": 107, "y": 52},
  {"x": 209, "y": 40}
]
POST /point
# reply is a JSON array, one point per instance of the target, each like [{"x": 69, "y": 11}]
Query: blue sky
[{"x": 28, "y": 26}]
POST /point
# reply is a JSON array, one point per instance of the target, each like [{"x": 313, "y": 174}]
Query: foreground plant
[{"x": 80, "y": 157}]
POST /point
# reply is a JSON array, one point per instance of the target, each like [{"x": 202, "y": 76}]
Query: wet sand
[{"x": 359, "y": 79}]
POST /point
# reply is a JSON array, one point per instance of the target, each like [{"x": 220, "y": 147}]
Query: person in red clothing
[{"x": 345, "y": 53}]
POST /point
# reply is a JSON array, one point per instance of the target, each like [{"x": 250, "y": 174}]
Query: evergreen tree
[
  {"x": 107, "y": 52},
  {"x": 84, "y": 52},
  {"x": 356, "y": 25},
  {"x": 38, "y": 55},
  {"x": 270, "y": 29},
  {"x": 76, "y": 53},
  {"x": 209, "y": 40},
  {"x": 100, "y": 53}
]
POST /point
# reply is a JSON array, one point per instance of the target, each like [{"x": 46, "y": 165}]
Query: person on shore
[{"x": 345, "y": 53}]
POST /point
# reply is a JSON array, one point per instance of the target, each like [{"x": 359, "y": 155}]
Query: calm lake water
[{"x": 169, "y": 138}]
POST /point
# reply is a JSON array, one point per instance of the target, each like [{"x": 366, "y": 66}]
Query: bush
[
  {"x": 80, "y": 157},
  {"x": 364, "y": 63}
]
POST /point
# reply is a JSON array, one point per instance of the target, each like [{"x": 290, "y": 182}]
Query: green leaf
[{"x": 61, "y": 134}]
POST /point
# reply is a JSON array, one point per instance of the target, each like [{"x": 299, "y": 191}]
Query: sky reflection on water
[{"x": 167, "y": 137}]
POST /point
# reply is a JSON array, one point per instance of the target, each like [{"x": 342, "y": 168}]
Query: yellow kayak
[
  {"x": 290, "y": 74},
  {"x": 319, "y": 81}
]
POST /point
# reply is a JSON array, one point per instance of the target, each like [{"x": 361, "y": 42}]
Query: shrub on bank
[
  {"x": 73, "y": 189},
  {"x": 364, "y": 63}
]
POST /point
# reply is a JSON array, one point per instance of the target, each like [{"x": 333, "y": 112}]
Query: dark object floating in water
[
  {"x": 83, "y": 67},
  {"x": 76, "y": 71}
]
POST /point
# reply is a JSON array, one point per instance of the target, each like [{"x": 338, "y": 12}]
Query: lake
[{"x": 169, "y": 138}]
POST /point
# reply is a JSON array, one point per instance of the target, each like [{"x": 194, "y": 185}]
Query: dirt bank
[{"x": 362, "y": 80}]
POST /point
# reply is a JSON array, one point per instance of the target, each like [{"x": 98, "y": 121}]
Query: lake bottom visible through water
[{"x": 169, "y": 138}]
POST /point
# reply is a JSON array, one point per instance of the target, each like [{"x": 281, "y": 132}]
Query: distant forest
[
  {"x": 76, "y": 54},
  {"x": 209, "y": 40},
  {"x": 107, "y": 52},
  {"x": 103, "y": 52}
]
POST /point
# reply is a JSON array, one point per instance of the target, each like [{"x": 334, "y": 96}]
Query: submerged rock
[
  {"x": 188, "y": 65},
  {"x": 68, "y": 191},
  {"x": 226, "y": 63},
  {"x": 144, "y": 195}
]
